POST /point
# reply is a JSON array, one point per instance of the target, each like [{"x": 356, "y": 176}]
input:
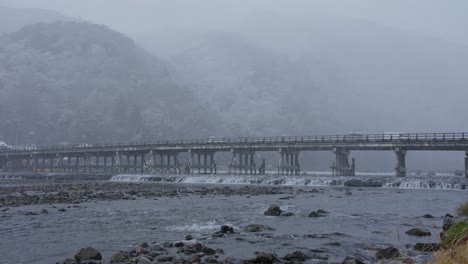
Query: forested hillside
[{"x": 75, "y": 82}]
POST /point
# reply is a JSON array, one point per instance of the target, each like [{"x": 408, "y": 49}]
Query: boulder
[
  {"x": 448, "y": 222},
  {"x": 274, "y": 210},
  {"x": 141, "y": 250},
  {"x": 426, "y": 247},
  {"x": 119, "y": 257},
  {"x": 88, "y": 253},
  {"x": 225, "y": 229},
  {"x": 388, "y": 253},
  {"x": 287, "y": 214},
  {"x": 188, "y": 237},
  {"x": 296, "y": 256},
  {"x": 193, "y": 259},
  {"x": 352, "y": 260},
  {"x": 263, "y": 258},
  {"x": 209, "y": 251},
  {"x": 418, "y": 232},
  {"x": 144, "y": 260}
]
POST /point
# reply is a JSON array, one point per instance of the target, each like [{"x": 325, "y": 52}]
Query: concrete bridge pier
[
  {"x": 289, "y": 162},
  {"x": 400, "y": 168},
  {"x": 243, "y": 162},
  {"x": 341, "y": 166}
]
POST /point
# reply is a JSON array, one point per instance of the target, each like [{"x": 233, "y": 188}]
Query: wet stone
[
  {"x": 88, "y": 253},
  {"x": 118, "y": 257},
  {"x": 418, "y": 232},
  {"x": 388, "y": 253}
]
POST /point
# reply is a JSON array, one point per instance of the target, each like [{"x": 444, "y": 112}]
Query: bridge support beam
[
  {"x": 289, "y": 162},
  {"x": 341, "y": 166},
  {"x": 400, "y": 168},
  {"x": 242, "y": 162}
]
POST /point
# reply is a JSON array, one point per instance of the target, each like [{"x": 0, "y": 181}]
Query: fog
[{"x": 248, "y": 68}]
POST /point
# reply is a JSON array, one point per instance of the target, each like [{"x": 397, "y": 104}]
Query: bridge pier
[
  {"x": 341, "y": 166},
  {"x": 163, "y": 161},
  {"x": 242, "y": 162},
  {"x": 289, "y": 162},
  {"x": 400, "y": 167},
  {"x": 466, "y": 163},
  {"x": 201, "y": 160}
]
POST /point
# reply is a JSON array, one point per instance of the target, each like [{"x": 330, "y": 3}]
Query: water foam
[{"x": 453, "y": 183}]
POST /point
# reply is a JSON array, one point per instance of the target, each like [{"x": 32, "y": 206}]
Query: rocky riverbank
[
  {"x": 80, "y": 192},
  {"x": 192, "y": 250}
]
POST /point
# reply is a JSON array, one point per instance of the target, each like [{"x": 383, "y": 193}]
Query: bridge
[{"x": 163, "y": 156}]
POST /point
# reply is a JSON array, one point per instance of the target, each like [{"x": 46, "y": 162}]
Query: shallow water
[{"x": 369, "y": 217}]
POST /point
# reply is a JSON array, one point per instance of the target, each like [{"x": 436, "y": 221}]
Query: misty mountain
[
  {"x": 75, "y": 82},
  {"x": 339, "y": 74},
  {"x": 12, "y": 19}
]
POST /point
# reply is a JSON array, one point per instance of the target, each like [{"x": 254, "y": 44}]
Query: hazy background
[{"x": 171, "y": 69}]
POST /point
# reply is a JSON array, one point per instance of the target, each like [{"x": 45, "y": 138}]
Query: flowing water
[{"x": 359, "y": 218}]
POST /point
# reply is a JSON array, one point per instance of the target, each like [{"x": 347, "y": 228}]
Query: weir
[{"x": 163, "y": 156}]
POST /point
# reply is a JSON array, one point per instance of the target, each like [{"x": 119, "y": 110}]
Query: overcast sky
[{"x": 441, "y": 18}]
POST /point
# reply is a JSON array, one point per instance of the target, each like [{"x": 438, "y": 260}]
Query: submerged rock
[
  {"x": 428, "y": 216},
  {"x": 418, "y": 232},
  {"x": 287, "y": 214},
  {"x": 273, "y": 210},
  {"x": 254, "y": 228}
]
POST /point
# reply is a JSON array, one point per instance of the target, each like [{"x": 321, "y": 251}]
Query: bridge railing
[{"x": 317, "y": 139}]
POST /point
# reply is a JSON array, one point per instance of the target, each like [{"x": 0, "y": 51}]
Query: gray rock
[
  {"x": 352, "y": 260},
  {"x": 193, "y": 259},
  {"x": 388, "y": 253},
  {"x": 263, "y": 258},
  {"x": 225, "y": 229},
  {"x": 144, "y": 260},
  {"x": 426, "y": 247},
  {"x": 88, "y": 253},
  {"x": 296, "y": 256},
  {"x": 287, "y": 214},
  {"x": 274, "y": 210},
  {"x": 165, "y": 259},
  {"x": 418, "y": 232},
  {"x": 119, "y": 257},
  {"x": 315, "y": 214},
  {"x": 254, "y": 228}
]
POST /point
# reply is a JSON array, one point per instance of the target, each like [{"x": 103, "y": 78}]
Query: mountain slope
[{"x": 70, "y": 81}]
